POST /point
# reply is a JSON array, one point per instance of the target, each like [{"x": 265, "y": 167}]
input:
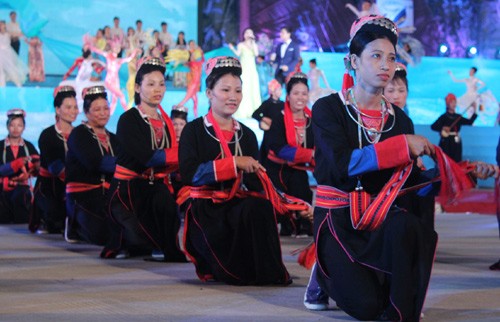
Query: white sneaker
[{"x": 66, "y": 235}]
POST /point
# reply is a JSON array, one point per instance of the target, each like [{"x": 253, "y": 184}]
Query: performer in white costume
[
  {"x": 485, "y": 101},
  {"x": 11, "y": 67},
  {"x": 316, "y": 91},
  {"x": 247, "y": 51}
]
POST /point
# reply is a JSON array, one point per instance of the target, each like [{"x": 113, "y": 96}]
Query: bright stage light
[
  {"x": 471, "y": 52},
  {"x": 444, "y": 50}
]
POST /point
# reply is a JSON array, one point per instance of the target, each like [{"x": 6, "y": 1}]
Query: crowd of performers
[{"x": 373, "y": 214}]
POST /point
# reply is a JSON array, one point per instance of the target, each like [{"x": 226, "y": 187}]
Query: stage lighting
[
  {"x": 444, "y": 50},
  {"x": 471, "y": 52},
  {"x": 497, "y": 53}
]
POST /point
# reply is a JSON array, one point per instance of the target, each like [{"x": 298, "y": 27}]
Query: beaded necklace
[{"x": 371, "y": 134}]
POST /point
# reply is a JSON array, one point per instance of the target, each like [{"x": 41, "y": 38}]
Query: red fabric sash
[
  {"x": 283, "y": 203},
  {"x": 220, "y": 136},
  {"x": 291, "y": 138},
  {"x": 454, "y": 178},
  {"x": 368, "y": 213},
  {"x": 170, "y": 127}
]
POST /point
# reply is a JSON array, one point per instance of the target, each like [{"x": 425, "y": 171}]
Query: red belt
[
  {"x": 299, "y": 166},
  {"x": 367, "y": 213},
  {"x": 43, "y": 172},
  {"x": 122, "y": 173},
  {"x": 72, "y": 187}
]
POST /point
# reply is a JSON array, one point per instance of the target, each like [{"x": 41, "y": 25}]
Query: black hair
[
  {"x": 163, "y": 23},
  {"x": 89, "y": 98},
  {"x": 217, "y": 73},
  {"x": 313, "y": 61},
  {"x": 475, "y": 69},
  {"x": 143, "y": 70},
  {"x": 176, "y": 114},
  {"x": 86, "y": 52},
  {"x": 401, "y": 74},
  {"x": 138, "y": 21},
  {"x": 116, "y": 18},
  {"x": 363, "y": 38},
  {"x": 13, "y": 117},
  {"x": 287, "y": 29},
  {"x": 61, "y": 96},
  {"x": 294, "y": 81}
]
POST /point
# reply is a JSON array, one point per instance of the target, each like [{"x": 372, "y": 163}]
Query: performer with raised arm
[
  {"x": 113, "y": 64},
  {"x": 448, "y": 125}
]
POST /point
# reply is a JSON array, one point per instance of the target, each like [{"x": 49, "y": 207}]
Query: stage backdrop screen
[{"x": 62, "y": 24}]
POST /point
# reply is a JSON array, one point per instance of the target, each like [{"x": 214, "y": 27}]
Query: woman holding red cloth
[
  {"x": 374, "y": 258},
  {"x": 288, "y": 151},
  {"x": 231, "y": 233},
  {"x": 20, "y": 161},
  {"x": 142, "y": 208},
  {"x": 90, "y": 164}
]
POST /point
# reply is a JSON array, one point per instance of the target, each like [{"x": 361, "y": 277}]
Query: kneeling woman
[
  {"x": 19, "y": 162},
  {"x": 288, "y": 151},
  {"x": 233, "y": 239},
  {"x": 90, "y": 164},
  {"x": 49, "y": 209},
  {"x": 142, "y": 208}
]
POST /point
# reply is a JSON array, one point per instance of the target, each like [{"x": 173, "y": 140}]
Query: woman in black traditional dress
[
  {"x": 142, "y": 208},
  {"x": 288, "y": 152},
  {"x": 448, "y": 125},
  {"x": 20, "y": 161},
  {"x": 231, "y": 233},
  {"x": 49, "y": 209},
  {"x": 90, "y": 164},
  {"x": 374, "y": 258}
]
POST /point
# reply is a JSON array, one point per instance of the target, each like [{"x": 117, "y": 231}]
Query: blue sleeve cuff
[
  {"x": 56, "y": 167},
  {"x": 158, "y": 159},
  {"x": 205, "y": 174},
  {"x": 6, "y": 170},
  {"x": 363, "y": 160},
  {"x": 108, "y": 164},
  {"x": 287, "y": 153}
]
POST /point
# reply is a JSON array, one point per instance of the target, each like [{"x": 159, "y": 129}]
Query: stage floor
[{"x": 45, "y": 279}]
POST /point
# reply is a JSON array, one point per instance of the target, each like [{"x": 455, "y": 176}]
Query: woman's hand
[
  {"x": 419, "y": 146},
  {"x": 265, "y": 123},
  {"x": 248, "y": 164},
  {"x": 308, "y": 214},
  {"x": 485, "y": 170}
]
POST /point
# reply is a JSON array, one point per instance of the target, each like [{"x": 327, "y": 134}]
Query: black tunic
[
  {"x": 50, "y": 192},
  {"x": 236, "y": 241},
  {"x": 143, "y": 212},
  {"x": 87, "y": 163},
  {"x": 292, "y": 181},
  {"x": 371, "y": 275},
  {"x": 452, "y": 145},
  {"x": 15, "y": 205}
]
